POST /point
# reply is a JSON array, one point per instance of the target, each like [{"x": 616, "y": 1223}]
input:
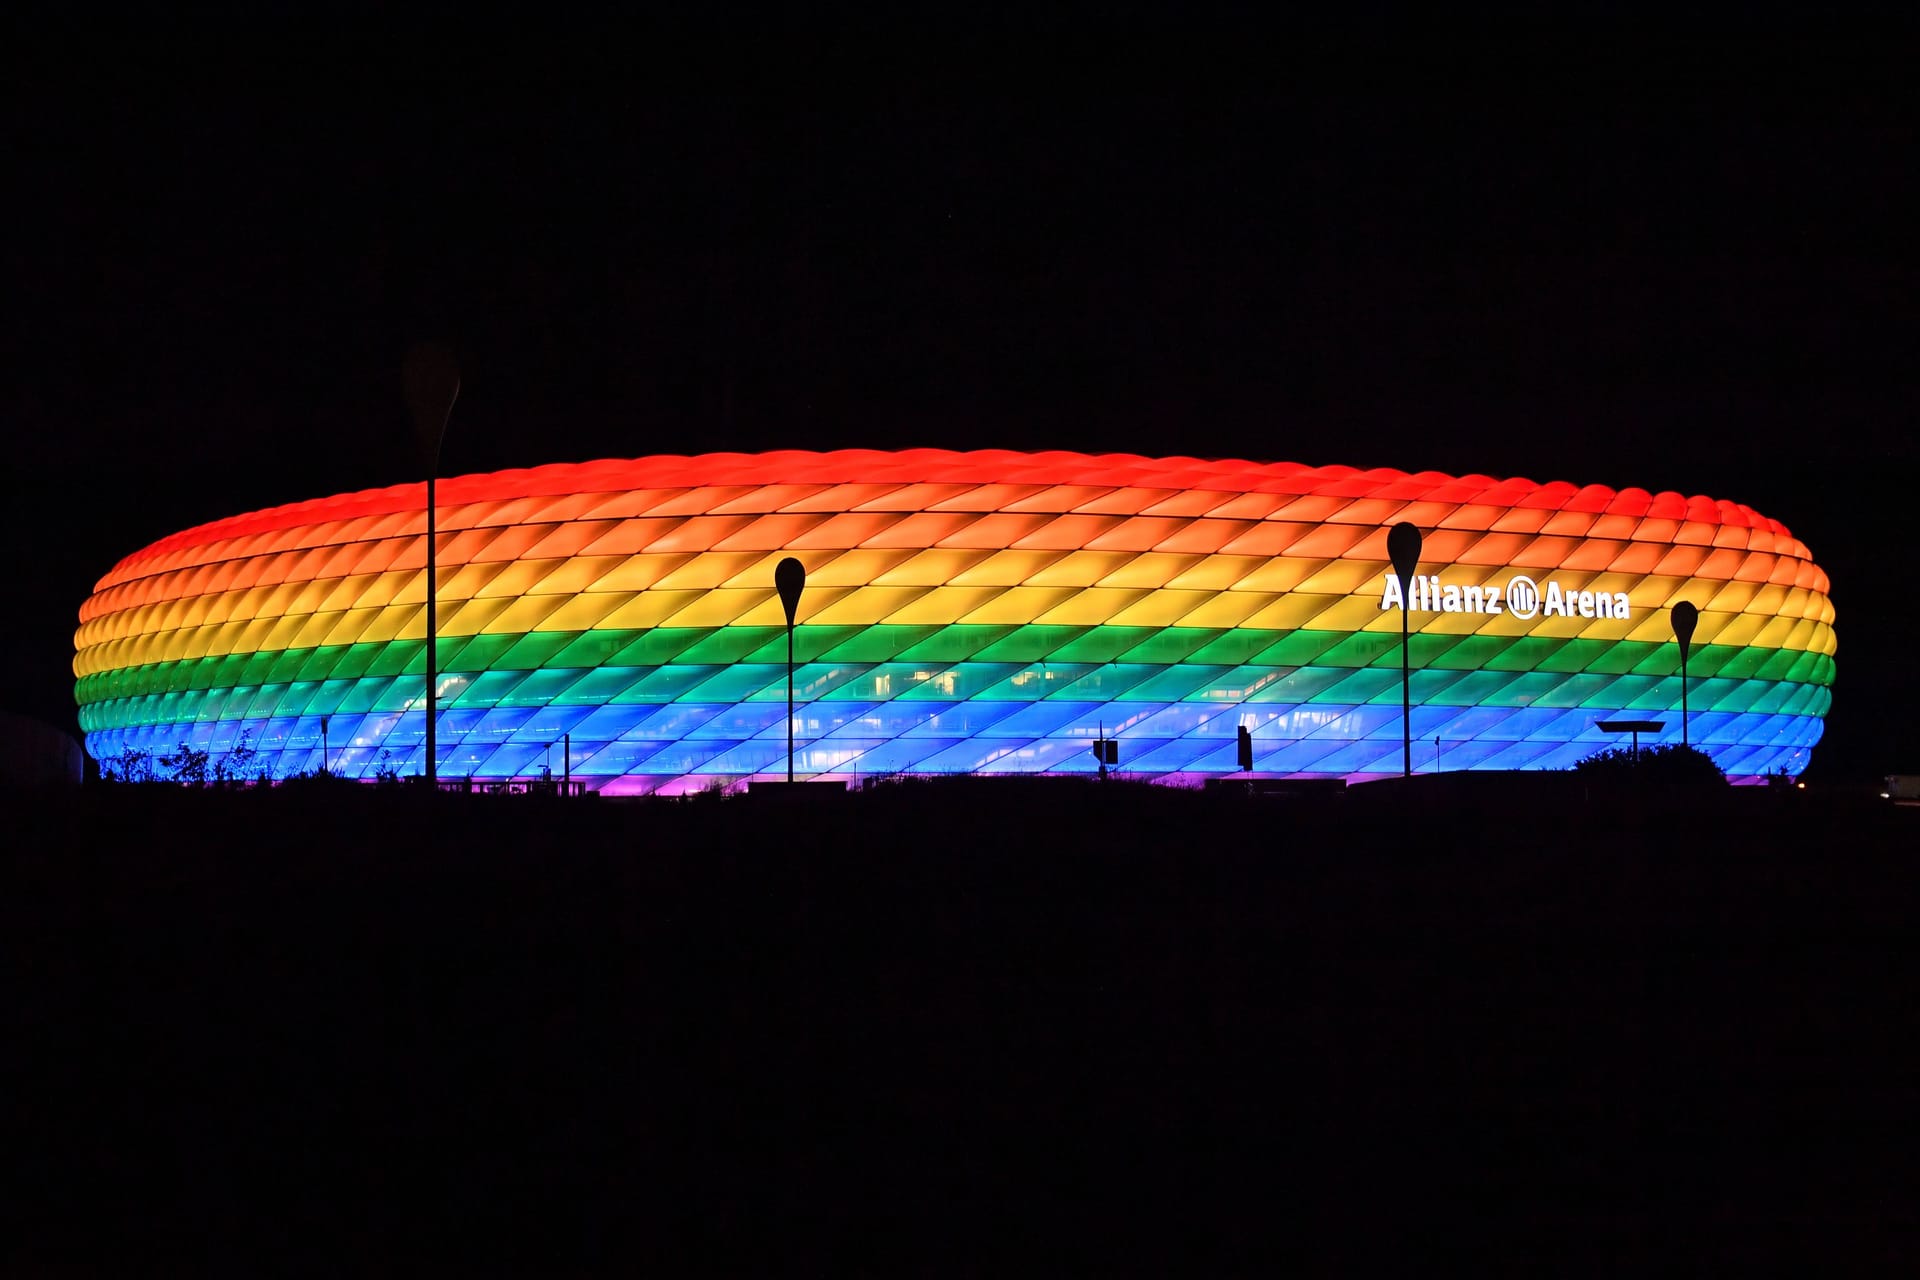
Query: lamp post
[
  {"x": 789, "y": 579},
  {"x": 1685, "y": 617},
  {"x": 432, "y": 383},
  {"x": 1403, "y": 548}
]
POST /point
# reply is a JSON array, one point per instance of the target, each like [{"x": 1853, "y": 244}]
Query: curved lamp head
[
  {"x": 1403, "y": 548},
  {"x": 790, "y": 579},
  {"x": 1685, "y": 617}
]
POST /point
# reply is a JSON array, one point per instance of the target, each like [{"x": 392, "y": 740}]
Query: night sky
[{"x": 1689, "y": 266}]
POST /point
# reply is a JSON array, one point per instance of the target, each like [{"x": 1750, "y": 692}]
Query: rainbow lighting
[{"x": 984, "y": 612}]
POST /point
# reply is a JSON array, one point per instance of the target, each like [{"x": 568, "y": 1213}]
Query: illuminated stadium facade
[{"x": 987, "y": 612}]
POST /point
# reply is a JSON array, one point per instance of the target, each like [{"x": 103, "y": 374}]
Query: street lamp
[
  {"x": 1634, "y": 727},
  {"x": 1685, "y": 616},
  {"x": 1403, "y": 548},
  {"x": 790, "y": 579},
  {"x": 432, "y": 383}
]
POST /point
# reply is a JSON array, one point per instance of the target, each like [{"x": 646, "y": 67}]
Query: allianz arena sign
[{"x": 1520, "y": 596}]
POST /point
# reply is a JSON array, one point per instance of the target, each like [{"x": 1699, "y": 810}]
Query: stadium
[{"x": 981, "y": 612}]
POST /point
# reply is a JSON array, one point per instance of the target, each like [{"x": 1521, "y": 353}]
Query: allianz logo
[{"x": 1521, "y": 596}]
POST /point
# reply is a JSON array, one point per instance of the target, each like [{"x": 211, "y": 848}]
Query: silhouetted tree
[
  {"x": 188, "y": 764},
  {"x": 235, "y": 765},
  {"x": 130, "y": 766}
]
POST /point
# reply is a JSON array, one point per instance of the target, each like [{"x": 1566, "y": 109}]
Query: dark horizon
[{"x": 1687, "y": 267}]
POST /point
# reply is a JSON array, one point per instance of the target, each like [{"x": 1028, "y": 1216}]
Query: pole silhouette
[
  {"x": 790, "y": 579},
  {"x": 1403, "y": 548},
  {"x": 1685, "y": 617},
  {"x": 431, "y": 380}
]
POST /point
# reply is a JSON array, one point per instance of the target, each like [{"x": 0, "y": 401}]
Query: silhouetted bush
[
  {"x": 387, "y": 772},
  {"x": 1666, "y": 765},
  {"x": 187, "y": 765},
  {"x": 130, "y": 767},
  {"x": 316, "y": 781}
]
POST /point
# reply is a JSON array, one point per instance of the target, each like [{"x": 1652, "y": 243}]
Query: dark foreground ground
[{"x": 942, "y": 1029}]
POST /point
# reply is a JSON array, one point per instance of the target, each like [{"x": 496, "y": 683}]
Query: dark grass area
[{"x": 950, "y": 1028}]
